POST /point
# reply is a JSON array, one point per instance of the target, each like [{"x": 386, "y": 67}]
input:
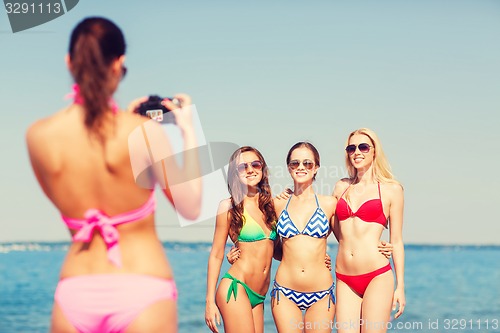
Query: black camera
[{"x": 153, "y": 109}]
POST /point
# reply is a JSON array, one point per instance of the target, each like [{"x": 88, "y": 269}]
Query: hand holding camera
[
  {"x": 159, "y": 109},
  {"x": 175, "y": 110}
]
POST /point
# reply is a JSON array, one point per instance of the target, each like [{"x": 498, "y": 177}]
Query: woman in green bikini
[{"x": 248, "y": 218}]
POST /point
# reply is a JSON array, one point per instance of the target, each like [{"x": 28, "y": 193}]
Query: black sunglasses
[
  {"x": 363, "y": 147},
  {"x": 124, "y": 71},
  {"x": 294, "y": 164},
  {"x": 242, "y": 167}
]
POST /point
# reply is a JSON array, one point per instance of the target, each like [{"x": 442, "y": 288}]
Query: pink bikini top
[
  {"x": 370, "y": 211},
  {"x": 106, "y": 226}
]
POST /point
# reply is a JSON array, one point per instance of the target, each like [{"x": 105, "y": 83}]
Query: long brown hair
[
  {"x": 237, "y": 190},
  {"x": 95, "y": 43}
]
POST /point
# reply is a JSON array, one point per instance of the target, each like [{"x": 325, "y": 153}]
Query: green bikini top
[{"x": 252, "y": 231}]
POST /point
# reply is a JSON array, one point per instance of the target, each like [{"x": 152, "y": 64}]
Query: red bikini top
[{"x": 370, "y": 211}]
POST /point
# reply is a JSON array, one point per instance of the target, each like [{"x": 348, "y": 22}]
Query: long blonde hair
[{"x": 381, "y": 170}]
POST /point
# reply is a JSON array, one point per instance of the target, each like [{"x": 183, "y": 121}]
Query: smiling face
[
  {"x": 361, "y": 160},
  {"x": 249, "y": 168},
  {"x": 302, "y": 165}
]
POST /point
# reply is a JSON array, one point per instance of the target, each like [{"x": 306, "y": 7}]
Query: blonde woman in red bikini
[{"x": 367, "y": 202}]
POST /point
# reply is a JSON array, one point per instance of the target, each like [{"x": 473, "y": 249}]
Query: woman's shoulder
[
  {"x": 36, "y": 129},
  {"x": 134, "y": 130},
  {"x": 131, "y": 121},
  {"x": 279, "y": 204},
  {"x": 341, "y": 186},
  {"x": 39, "y": 131},
  {"x": 393, "y": 188},
  {"x": 224, "y": 205},
  {"x": 45, "y": 126},
  {"x": 327, "y": 204},
  {"x": 345, "y": 182},
  {"x": 326, "y": 199}
]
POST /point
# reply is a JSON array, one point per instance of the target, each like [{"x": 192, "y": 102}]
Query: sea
[{"x": 449, "y": 288}]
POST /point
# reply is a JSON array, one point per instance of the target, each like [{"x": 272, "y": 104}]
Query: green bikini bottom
[{"x": 255, "y": 299}]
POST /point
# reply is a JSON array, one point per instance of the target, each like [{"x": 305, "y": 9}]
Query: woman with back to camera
[
  {"x": 367, "y": 202},
  {"x": 115, "y": 277}
]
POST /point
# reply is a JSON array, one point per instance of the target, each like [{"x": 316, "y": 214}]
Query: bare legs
[
  {"x": 238, "y": 315},
  {"x": 372, "y": 311},
  {"x": 158, "y": 317},
  {"x": 289, "y": 319},
  {"x": 59, "y": 322}
]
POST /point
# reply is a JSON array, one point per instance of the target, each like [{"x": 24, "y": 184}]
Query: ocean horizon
[
  {"x": 38, "y": 245},
  {"x": 449, "y": 287}
]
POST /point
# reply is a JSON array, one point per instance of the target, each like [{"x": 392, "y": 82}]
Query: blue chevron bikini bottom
[{"x": 301, "y": 299}]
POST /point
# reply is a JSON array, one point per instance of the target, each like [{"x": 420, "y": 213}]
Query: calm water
[{"x": 448, "y": 288}]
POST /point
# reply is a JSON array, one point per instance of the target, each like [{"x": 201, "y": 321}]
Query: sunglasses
[
  {"x": 294, "y": 164},
  {"x": 242, "y": 167},
  {"x": 124, "y": 71},
  {"x": 363, "y": 147}
]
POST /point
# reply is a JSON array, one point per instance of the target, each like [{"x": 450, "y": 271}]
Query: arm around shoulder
[{"x": 279, "y": 205}]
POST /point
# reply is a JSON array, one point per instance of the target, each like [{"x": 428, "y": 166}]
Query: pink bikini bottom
[{"x": 110, "y": 302}]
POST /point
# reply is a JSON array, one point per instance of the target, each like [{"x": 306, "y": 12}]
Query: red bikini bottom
[{"x": 359, "y": 283}]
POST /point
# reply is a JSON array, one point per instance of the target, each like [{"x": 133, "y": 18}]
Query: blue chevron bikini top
[{"x": 317, "y": 226}]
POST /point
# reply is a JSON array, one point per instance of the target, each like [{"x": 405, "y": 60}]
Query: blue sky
[{"x": 423, "y": 74}]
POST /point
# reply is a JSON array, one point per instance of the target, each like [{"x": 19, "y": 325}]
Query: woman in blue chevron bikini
[{"x": 302, "y": 281}]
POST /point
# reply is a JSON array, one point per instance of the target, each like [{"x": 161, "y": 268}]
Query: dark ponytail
[{"x": 94, "y": 44}]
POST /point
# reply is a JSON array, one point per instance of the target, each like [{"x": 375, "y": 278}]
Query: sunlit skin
[
  {"x": 80, "y": 166},
  {"x": 302, "y": 267},
  {"x": 253, "y": 266},
  {"x": 358, "y": 246},
  {"x": 251, "y": 261},
  {"x": 301, "y": 177}
]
